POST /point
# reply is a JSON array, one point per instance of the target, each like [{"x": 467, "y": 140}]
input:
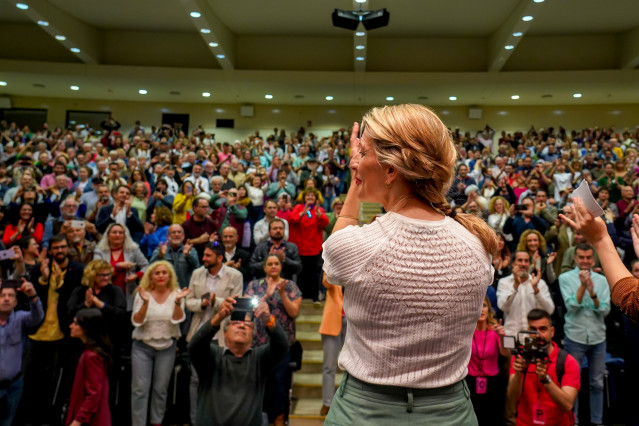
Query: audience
[{"x": 175, "y": 193}]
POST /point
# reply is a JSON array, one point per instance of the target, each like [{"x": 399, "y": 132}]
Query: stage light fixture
[{"x": 350, "y": 19}]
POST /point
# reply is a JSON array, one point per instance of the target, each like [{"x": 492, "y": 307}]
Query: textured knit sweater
[{"x": 413, "y": 293}]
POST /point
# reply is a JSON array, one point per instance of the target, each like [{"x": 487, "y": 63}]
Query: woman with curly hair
[
  {"x": 183, "y": 202},
  {"x": 498, "y": 209},
  {"x": 158, "y": 309},
  {"x": 98, "y": 292},
  {"x": 534, "y": 243}
]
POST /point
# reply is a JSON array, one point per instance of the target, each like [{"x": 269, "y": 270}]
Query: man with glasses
[
  {"x": 121, "y": 212},
  {"x": 210, "y": 285},
  {"x": 51, "y": 355},
  {"x": 234, "y": 375},
  {"x": 182, "y": 255},
  {"x": 200, "y": 229},
  {"x": 63, "y": 223}
]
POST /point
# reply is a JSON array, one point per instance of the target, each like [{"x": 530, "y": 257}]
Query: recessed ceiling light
[
  {"x": 557, "y": 112},
  {"x": 390, "y": 98},
  {"x": 576, "y": 95},
  {"x": 503, "y": 113},
  {"x": 75, "y": 87},
  {"x": 3, "y": 83},
  {"x": 75, "y": 50},
  {"x": 359, "y": 58},
  {"x": 206, "y": 94},
  {"x": 332, "y": 111},
  {"x": 360, "y": 47},
  {"x": 518, "y": 34},
  {"x": 205, "y": 31},
  {"x": 60, "y": 37},
  {"x": 22, "y": 6},
  {"x": 220, "y": 56},
  {"x": 360, "y": 1},
  {"x": 452, "y": 98},
  {"x": 538, "y": 1},
  {"x": 360, "y": 33},
  {"x": 219, "y": 110},
  {"x": 268, "y": 96},
  {"x": 142, "y": 92},
  {"x": 527, "y": 18},
  {"x": 514, "y": 97},
  {"x": 43, "y": 23},
  {"x": 509, "y": 47},
  {"x": 195, "y": 14},
  {"x": 329, "y": 98},
  {"x": 213, "y": 44},
  {"x": 276, "y": 111},
  {"x": 445, "y": 112}
]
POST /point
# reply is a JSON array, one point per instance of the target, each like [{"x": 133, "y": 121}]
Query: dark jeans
[
  {"x": 49, "y": 369},
  {"x": 277, "y": 388},
  {"x": 9, "y": 400},
  {"x": 309, "y": 279}
]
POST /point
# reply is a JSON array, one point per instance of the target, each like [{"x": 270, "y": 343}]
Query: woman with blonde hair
[
  {"x": 498, "y": 209},
  {"x": 98, "y": 292},
  {"x": 158, "y": 309},
  {"x": 534, "y": 243},
  {"x": 414, "y": 279}
]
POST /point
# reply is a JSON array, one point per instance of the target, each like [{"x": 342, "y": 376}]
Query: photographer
[
  {"x": 544, "y": 390},
  {"x": 232, "y": 377},
  {"x": 13, "y": 327},
  {"x": 523, "y": 217}
]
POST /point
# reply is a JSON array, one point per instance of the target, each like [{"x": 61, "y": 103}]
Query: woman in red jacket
[
  {"x": 306, "y": 225},
  {"x": 24, "y": 225},
  {"x": 89, "y": 402}
]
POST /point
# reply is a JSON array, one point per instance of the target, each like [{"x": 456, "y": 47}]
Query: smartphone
[
  {"x": 245, "y": 304},
  {"x": 206, "y": 296},
  {"x": 520, "y": 207},
  {"x": 78, "y": 224},
  {"x": 11, "y": 283},
  {"x": 7, "y": 254}
]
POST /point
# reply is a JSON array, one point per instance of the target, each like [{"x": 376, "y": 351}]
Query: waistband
[
  {"x": 8, "y": 382},
  {"x": 400, "y": 390}
]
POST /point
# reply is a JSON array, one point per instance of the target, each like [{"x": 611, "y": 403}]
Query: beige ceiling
[{"x": 432, "y": 49}]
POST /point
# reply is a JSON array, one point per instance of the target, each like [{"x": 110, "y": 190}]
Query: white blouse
[{"x": 158, "y": 328}]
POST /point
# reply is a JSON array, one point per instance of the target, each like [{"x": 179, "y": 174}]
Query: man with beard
[
  {"x": 519, "y": 293},
  {"x": 210, "y": 285},
  {"x": 51, "y": 355},
  {"x": 285, "y": 250},
  {"x": 80, "y": 249},
  {"x": 121, "y": 212},
  {"x": 181, "y": 255}
]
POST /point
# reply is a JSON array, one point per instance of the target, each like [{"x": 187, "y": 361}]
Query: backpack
[{"x": 560, "y": 367}]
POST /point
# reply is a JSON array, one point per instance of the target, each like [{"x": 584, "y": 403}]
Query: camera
[
  {"x": 520, "y": 207},
  {"x": 529, "y": 344},
  {"x": 243, "y": 309}
]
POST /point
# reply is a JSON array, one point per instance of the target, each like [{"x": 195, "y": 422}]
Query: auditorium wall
[{"x": 325, "y": 118}]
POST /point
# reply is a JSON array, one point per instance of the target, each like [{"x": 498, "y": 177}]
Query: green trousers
[{"x": 360, "y": 403}]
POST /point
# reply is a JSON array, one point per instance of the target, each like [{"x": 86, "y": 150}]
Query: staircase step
[
  {"x": 308, "y": 322},
  {"x": 307, "y": 408},
  {"x": 310, "y": 385},
  {"x": 310, "y": 340}
]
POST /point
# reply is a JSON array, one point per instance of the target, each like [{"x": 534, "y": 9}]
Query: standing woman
[
  {"x": 284, "y": 300},
  {"x": 414, "y": 279},
  {"x": 306, "y": 225},
  {"x": 158, "y": 309},
  {"x": 124, "y": 255},
  {"x": 498, "y": 209},
  {"x": 183, "y": 202},
  {"x": 89, "y": 403},
  {"x": 534, "y": 243},
  {"x": 257, "y": 194},
  {"x": 486, "y": 390}
]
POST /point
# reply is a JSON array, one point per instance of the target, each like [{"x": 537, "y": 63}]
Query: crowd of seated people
[{"x": 156, "y": 229}]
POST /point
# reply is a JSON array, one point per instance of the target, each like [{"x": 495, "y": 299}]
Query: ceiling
[{"x": 431, "y": 50}]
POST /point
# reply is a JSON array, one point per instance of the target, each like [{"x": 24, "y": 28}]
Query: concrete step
[
  {"x": 308, "y": 322},
  {"x": 307, "y": 409},
  {"x": 310, "y": 340},
  {"x": 310, "y": 385},
  {"x": 312, "y": 362}
]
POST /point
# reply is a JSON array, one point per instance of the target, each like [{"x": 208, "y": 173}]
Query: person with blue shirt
[
  {"x": 13, "y": 327},
  {"x": 587, "y": 298}
]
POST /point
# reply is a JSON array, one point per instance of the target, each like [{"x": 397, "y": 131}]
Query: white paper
[{"x": 583, "y": 193}]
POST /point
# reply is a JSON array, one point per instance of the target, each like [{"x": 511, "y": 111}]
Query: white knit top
[
  {"x": 158, "y": 328},
  {"x": 413, "y": 294}
]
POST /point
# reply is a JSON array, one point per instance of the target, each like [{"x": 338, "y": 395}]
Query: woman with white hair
[{"x": 124, "y": 255}]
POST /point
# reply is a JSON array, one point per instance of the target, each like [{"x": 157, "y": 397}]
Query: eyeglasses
[
  {"x": 107, "y": 274},
  {"x": 248, "y": 324},
  {"x": 233, "y": 194}
]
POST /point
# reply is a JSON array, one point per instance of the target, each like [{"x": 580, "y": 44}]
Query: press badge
[
  {"x": 480, "y": 385},
  {"x": 539, "y": 415}
]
